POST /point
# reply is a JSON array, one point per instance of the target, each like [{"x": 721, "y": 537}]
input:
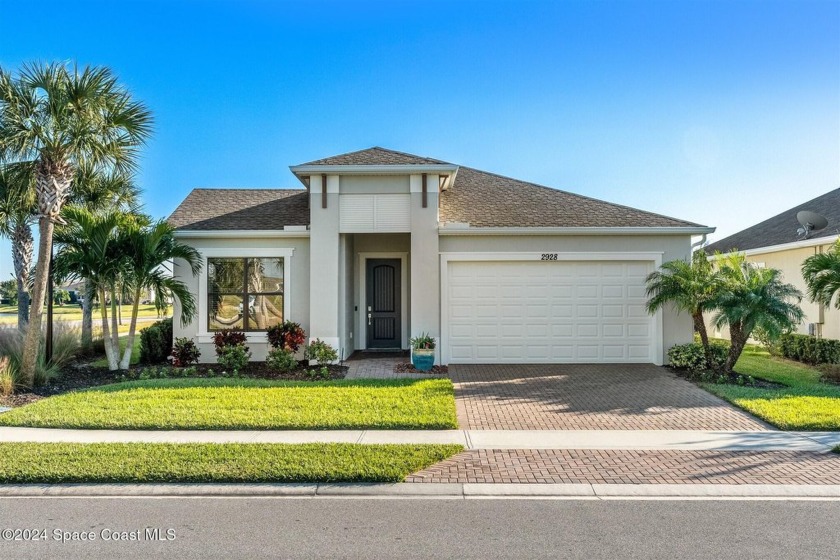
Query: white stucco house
[{"x": 380, "y": 246}]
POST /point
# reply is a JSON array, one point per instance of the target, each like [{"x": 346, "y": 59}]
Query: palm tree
[
  {"x": 822, "y": 276},
  {"x": 98, "y": 192},
  {"x": 689, "y": 286},
  {"x": 753, "y": 298},
  {"x": 147, "y": 251},
  {"x": 58, "y": 117},
  {"x": 89, "y": 250},
  {"x": 17, "y": 209}
]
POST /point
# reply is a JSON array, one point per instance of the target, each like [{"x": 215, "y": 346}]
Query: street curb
[{"x": 424, "y": 490}]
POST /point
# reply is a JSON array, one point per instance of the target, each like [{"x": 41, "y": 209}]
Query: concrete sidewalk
[{"x": 470, "y": 439}]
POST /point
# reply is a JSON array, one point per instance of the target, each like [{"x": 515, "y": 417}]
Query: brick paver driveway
[
  {"x": 581, "y": 466},
  {"x": 588, "y": 397}
]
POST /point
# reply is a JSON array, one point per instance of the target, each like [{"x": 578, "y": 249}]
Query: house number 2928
[{"x": 548, "y": 257}]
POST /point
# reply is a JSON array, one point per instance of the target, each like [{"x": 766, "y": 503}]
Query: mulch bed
[
  {"x": 81, "y": 376},
  {"x": 409, "y": 368},
  {"x": 732, "y": 379},
  {"x": 259, "y": 370}
]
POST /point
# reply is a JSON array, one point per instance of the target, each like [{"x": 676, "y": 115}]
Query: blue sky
[{"x": 723, "y": 113}]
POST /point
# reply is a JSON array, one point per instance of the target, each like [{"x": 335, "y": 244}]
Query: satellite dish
[{"x": 810, "y": 222}]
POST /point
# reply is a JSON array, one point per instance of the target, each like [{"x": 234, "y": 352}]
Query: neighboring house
[
  {"x": 777, "y": 243},
  {"x": 381, "y": 246}
]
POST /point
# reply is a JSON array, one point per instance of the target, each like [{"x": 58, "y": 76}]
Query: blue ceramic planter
[{"x": 423, "y": 360}]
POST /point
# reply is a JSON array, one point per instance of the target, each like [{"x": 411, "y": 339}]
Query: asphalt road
[{"x": 385, "y": 528}]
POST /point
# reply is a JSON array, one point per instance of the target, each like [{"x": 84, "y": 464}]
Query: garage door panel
[
  {"x": 587, "y": 311},
  {"x": 611, "y": 291},
  {"x": 614, "y": 352},
  {"x": 612, "y": 311},
  {"x": 519, "y": 312},
  {"x": 587, "y": 291}
]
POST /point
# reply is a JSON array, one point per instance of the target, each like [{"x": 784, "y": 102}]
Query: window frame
[
  {"x": 245, "y": 294},
  {"x": 204, "y": 335}
]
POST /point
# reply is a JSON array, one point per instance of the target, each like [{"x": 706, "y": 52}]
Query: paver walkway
[
  {"x": 581, "y": 466},
  {"x": 588, "y": 397}
]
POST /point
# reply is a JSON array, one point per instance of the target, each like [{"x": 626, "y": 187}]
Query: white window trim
[
  {"x": 446, "y": 258},
  {"x": 204, "y": 335},
  {"x": 361, "y": 340}
]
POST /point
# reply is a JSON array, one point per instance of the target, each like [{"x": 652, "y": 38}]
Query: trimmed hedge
[
  {"x": 810, "y": 349},
  {"x": 692, "y": 358},
  {"x": 156, "y": 342}
]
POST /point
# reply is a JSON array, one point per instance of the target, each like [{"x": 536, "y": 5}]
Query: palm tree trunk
[
  {"x": 738, "y": 339},
  {"x": 87, "y": 315},
  {"x": 23, "y": 246},
  {"x": 110, "y": 353},
  {"x": 129, "y": 343},
  {"x": 32, "y": 342},
  {"x": 53, "y": 180},
  {"x": 700, "y": 327},
  {"x": 115, "y": 330}
]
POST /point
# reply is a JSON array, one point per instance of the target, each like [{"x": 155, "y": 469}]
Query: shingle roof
[
  {"x": 782, "y": 228},
  {"x": 375, "y": 156},
  {"x": 487, "y": 200},
  {"x": 479, "y": 198},
  {"x": 241, "y": 209}
]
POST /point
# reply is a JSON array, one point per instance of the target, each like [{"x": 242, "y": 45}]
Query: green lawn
[
  {"x": 247, "y": 404},
  {"x": 803, "y": 404},
  {"x": 46, "y": 463},
  {"x": 135, "y": 352},
  {"x": 70, "y": 312}
]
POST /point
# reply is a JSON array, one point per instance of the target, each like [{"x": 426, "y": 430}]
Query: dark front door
[{"x": 383, "y": 303}]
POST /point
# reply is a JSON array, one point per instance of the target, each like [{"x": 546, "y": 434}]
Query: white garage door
[{"x": 560, "y": 311}]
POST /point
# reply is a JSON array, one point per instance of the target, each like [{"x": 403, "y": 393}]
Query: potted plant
[{"x": 423, "y": 352}]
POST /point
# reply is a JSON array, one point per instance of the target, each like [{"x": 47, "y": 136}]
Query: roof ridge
[
  {"x": 583, "y": 196},
  {"x": 769, "y": 221},
  {"x": 389, "y": 150}
]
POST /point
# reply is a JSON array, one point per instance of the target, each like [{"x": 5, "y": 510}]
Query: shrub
[
  {"x": 321, "y": 352},
  {"x": 233, "y": 358},
  {"x": 830, "y": 372},
  {"x": 322, "y": 372},
  {"x": 156, "y": 342},
  {"x": 767, "y": 341},
  {"x": 65, "y": 348},
  {"x": 692, "y": 358},
  {"x": 224, "y": 338},
  {"x": 7, "y": 379},
  {"x": 281, "y": 360},
  {"x": 810, "y": 349},
  {"x": 159, "y": 372},
  {"x": 184, "y": 352},
  {"x": 288, "y": 335}
]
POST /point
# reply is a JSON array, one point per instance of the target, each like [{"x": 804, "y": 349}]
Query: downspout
[{"x": 699, "y": 243}]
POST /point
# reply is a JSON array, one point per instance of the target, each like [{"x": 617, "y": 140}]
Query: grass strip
[
  {"x": 247, "y": 404},
  {"x": 46, "y": 463}
]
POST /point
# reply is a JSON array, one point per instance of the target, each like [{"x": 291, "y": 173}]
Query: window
[{"x": 244, "y": 294}]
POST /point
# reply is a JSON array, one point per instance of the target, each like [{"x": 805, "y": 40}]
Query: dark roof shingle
[
  {"x": 241, "y": 209},
  {"x": 478, "y": 198},
  {"x": 781, "y": 229},
  {"x": 487, "y": 200}
]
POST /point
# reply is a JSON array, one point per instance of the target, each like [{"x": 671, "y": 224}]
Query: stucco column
[
  {"x": 425, "y": 261},
  {"x": 324, "y": 261}
]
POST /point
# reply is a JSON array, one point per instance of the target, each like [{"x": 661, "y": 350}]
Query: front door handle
[{"x": 369, "y": 315}]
